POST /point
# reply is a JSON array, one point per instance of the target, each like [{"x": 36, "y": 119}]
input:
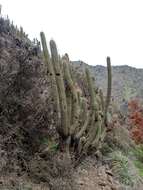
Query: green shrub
[
  {"x": 138, "y": 159},
  {"x": 139, "y": 166},
  {"x": 138, "y": 153},
  {"x": 120, "y": 166},
  {"x": 124, "y": 169}
]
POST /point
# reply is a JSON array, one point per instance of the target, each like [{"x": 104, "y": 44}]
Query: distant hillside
[{"x": 127, "y": 81}]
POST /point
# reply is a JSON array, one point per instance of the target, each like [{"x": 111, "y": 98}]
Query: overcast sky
[{"x": 87, "y": 30}]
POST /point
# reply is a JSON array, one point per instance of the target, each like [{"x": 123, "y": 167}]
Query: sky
[{"x": 88, "y": 30}]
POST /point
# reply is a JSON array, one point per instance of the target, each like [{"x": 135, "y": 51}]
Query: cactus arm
[
  {"x": 85, "y": 118},
  {"x": 102, "y": 99},
  {"x": 98, "y": 132},
  {"x": 75, "y": 106},
  {"x": 84, "y": 126},
  {"x": 50, "y": 70},
  {"x": 61, "y": 88},
  {"x": 51, "y": 74},
  {"x": 93, "y": 102},
  {"x": 109, "y": 88}
]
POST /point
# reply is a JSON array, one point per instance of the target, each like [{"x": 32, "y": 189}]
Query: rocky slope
[{"x": 29, "y": 156}]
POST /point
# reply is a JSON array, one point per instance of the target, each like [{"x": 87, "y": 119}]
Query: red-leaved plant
[{"x": 136, "y": 120}]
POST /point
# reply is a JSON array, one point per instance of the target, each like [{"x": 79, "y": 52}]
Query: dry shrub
[
  {"x": 136, "y": 120},
  {"x": 118, "y": 136}
]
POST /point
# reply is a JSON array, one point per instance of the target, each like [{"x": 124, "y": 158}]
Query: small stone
[{"x": 102, "y": 183}]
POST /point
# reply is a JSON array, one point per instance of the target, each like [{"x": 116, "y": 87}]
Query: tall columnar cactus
[
  {"x": 51, "y": 74},
  {"x": 74, "y": 95},
  {"x": 61, "y": 88},
  {"x": 95, "y": 123},
  {"x": 82, "y": 118},
  {"x": 109, "y": 88}
]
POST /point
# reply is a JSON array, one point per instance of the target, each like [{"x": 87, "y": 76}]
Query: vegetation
[
  {"x": 136, "y": 121},
  {"x": 76, "y": 118},
  {"x": 126, "y": 170},
  {"x": 82, "y": 118}
]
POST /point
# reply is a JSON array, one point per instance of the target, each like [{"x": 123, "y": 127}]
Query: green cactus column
[
  {"x": 75, "y": 106},
  {"x": 85, "y": 118},
  {"x": 102, "y": 99},
  {"x": 51, "y": 74},
  {"x": 61, "y": 88},
  {"x": 92, "y": 127},
  {"x": 91, "y": 88},
  {"x": 50, "y": 70},
  {"x": 109, "y": 88}
]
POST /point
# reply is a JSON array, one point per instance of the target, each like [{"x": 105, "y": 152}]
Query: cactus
[
  {"x": 50, "y": 70},
  {"x": 109, "y": 88},
  {"x": 51, "y": 74},
  {"x": 102, "y": 99},
  {"x": 82, "y": 119},
  {"x": 85, "y": 117},
  {"x": 91, "y": 91},
  {"x": 61, "y": 88},
  {"x": 75, "y": 105}
]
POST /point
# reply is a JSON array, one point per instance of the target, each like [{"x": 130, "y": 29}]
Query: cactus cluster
[{"x": 82, "y": 119}]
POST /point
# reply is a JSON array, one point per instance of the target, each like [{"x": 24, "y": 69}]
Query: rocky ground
[{"x": 88, "y": 176}]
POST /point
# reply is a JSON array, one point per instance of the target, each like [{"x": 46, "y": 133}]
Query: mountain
[{"x": 126, "y": 81}]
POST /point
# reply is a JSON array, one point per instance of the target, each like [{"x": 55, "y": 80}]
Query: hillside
[
  {"x": 54, "y": 127},
  {"x": 126, "y": 81}
]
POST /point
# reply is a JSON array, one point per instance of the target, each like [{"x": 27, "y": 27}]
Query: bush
[
  {"x": 138, "y": 160},
  {"x": 138, "y": 152},
  {"x": 136, "y": 121},
  {"x": 124, "y": 169}
]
